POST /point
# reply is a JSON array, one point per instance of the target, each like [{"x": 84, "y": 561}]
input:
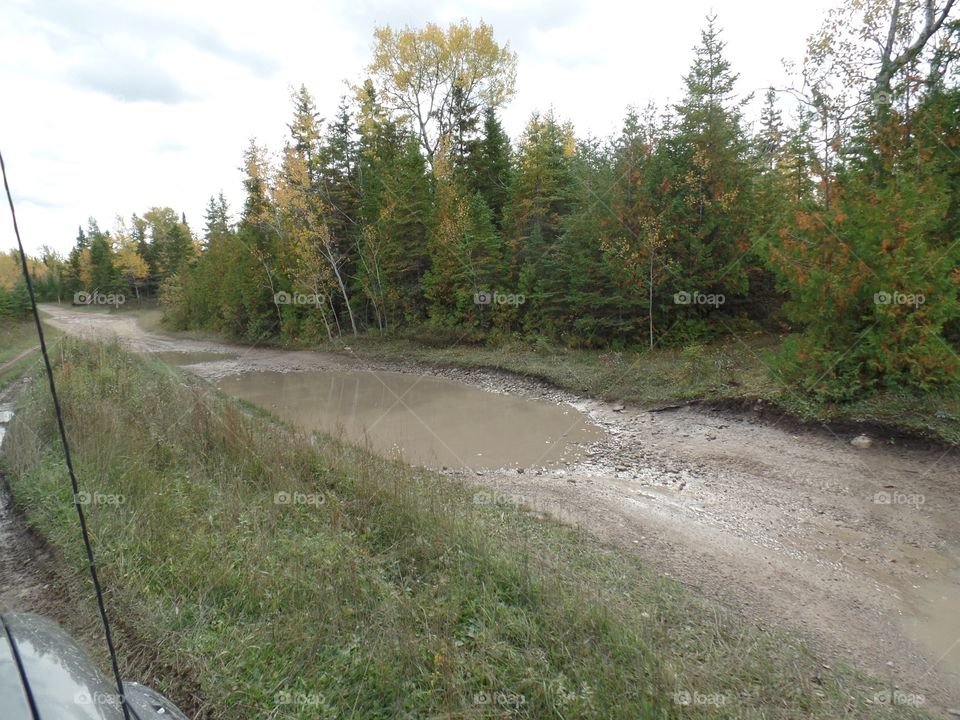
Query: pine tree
[
  {"x": 340, "y": 184},
  {"x": 542, "y": 197},
  {"x": 216, "y": 220},
  {"x": 395, "y": 210},
  {"x": 708, "y": 213},
  {"x": 489, "y": 166},
  {"x": 464, "y": 251}
]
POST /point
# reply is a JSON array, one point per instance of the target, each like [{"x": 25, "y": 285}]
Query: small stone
[
  {"x": 861, "y": 442},
  {"x": 619, "y": 407}
]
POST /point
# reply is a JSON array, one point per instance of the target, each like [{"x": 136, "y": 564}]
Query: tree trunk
[
  {"x": 343, "y": 289},
  {"x": 650, "y": 299}
]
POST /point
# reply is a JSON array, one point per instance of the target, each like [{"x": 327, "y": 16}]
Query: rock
[
  {"x": 619, "y": 407},
  {"x": 861, "y": 442}
]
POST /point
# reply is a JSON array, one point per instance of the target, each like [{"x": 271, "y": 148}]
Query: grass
[
  {"x": 735, "y": 371},
  {"x": 384, "y": 591},
  {"x": 17, "y": 338}
]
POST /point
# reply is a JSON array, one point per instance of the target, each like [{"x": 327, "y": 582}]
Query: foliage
[{"x": 412, "y": 205}]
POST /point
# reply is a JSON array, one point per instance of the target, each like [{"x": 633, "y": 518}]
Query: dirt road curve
[{"x": 857, "y": 549}]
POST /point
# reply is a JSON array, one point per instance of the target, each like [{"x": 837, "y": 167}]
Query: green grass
[
  {"x": 732, "y": 371},
  {"x": 397, "y": 596},
  {"x": 16, "y": 338}
]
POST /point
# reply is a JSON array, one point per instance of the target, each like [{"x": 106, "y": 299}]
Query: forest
[{"x": 827, "y": 217}]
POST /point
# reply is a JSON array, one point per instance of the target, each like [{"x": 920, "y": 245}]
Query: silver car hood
[{"x": 45, "y": 675}]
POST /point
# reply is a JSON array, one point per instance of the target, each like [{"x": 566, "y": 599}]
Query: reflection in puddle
[{"x": 424, "y": 420}]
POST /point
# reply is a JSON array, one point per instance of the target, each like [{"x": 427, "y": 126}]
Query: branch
[{"x": 932, "y": 24}]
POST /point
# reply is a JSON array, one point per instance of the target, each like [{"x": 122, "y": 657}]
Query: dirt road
[{"x": 856, "y": 549}]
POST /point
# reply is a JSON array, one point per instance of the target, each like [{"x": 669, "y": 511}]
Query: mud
[
  {"x": 423, "y": 420},
  {"x": 857, "y": 550}
]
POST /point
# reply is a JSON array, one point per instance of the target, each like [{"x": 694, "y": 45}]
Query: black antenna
[{"x": 66, "y": 452}]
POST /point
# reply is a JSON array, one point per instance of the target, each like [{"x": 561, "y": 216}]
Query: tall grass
[
  {"x": 380, "y": 590},
  {"x": 16, "y": 338}
]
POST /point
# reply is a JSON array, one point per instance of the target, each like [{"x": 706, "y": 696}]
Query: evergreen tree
[
  {"x": 464, "y": 251},
  {"x": 542, "y": 196},
  {"x": 216, "y": 219},
  {"x": 708, "y": 220},
  {"x": 489, "y": 166},
  {"x": 395, "y": 208}
]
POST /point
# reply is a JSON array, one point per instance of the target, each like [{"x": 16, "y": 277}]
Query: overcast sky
[{"x": 111, "y": 108}]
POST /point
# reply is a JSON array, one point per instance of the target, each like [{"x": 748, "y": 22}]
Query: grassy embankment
[
  {"x": 731, "y": 372},
  {"x": 17, "y": 339},
  {"x": 388, "y": 592}
]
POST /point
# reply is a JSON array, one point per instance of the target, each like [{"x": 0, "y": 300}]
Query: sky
[{"x": 110, "y": 108}]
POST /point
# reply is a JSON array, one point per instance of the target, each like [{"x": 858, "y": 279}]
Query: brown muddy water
[
  {"x": 423, "y": 420},
  {"x": 932, "y": 617}
]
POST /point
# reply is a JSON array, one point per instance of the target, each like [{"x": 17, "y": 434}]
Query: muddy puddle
[
  {"x": 934, "y": 620},
  {"x": 423, "y": 420}
]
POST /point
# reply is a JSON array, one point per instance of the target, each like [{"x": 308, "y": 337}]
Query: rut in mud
[{"x": 856, "y": 549}]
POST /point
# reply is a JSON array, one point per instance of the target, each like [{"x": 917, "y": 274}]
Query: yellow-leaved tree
[{"x": 440, "y": 79}]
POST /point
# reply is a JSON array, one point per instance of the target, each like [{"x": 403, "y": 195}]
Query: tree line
[{"x": 836, "y": 225}]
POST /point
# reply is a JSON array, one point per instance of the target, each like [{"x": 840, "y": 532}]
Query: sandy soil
[{"x": 858, "y": 550}]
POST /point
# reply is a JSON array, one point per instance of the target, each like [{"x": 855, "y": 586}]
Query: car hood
[{"x": 39, "y": 661}]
